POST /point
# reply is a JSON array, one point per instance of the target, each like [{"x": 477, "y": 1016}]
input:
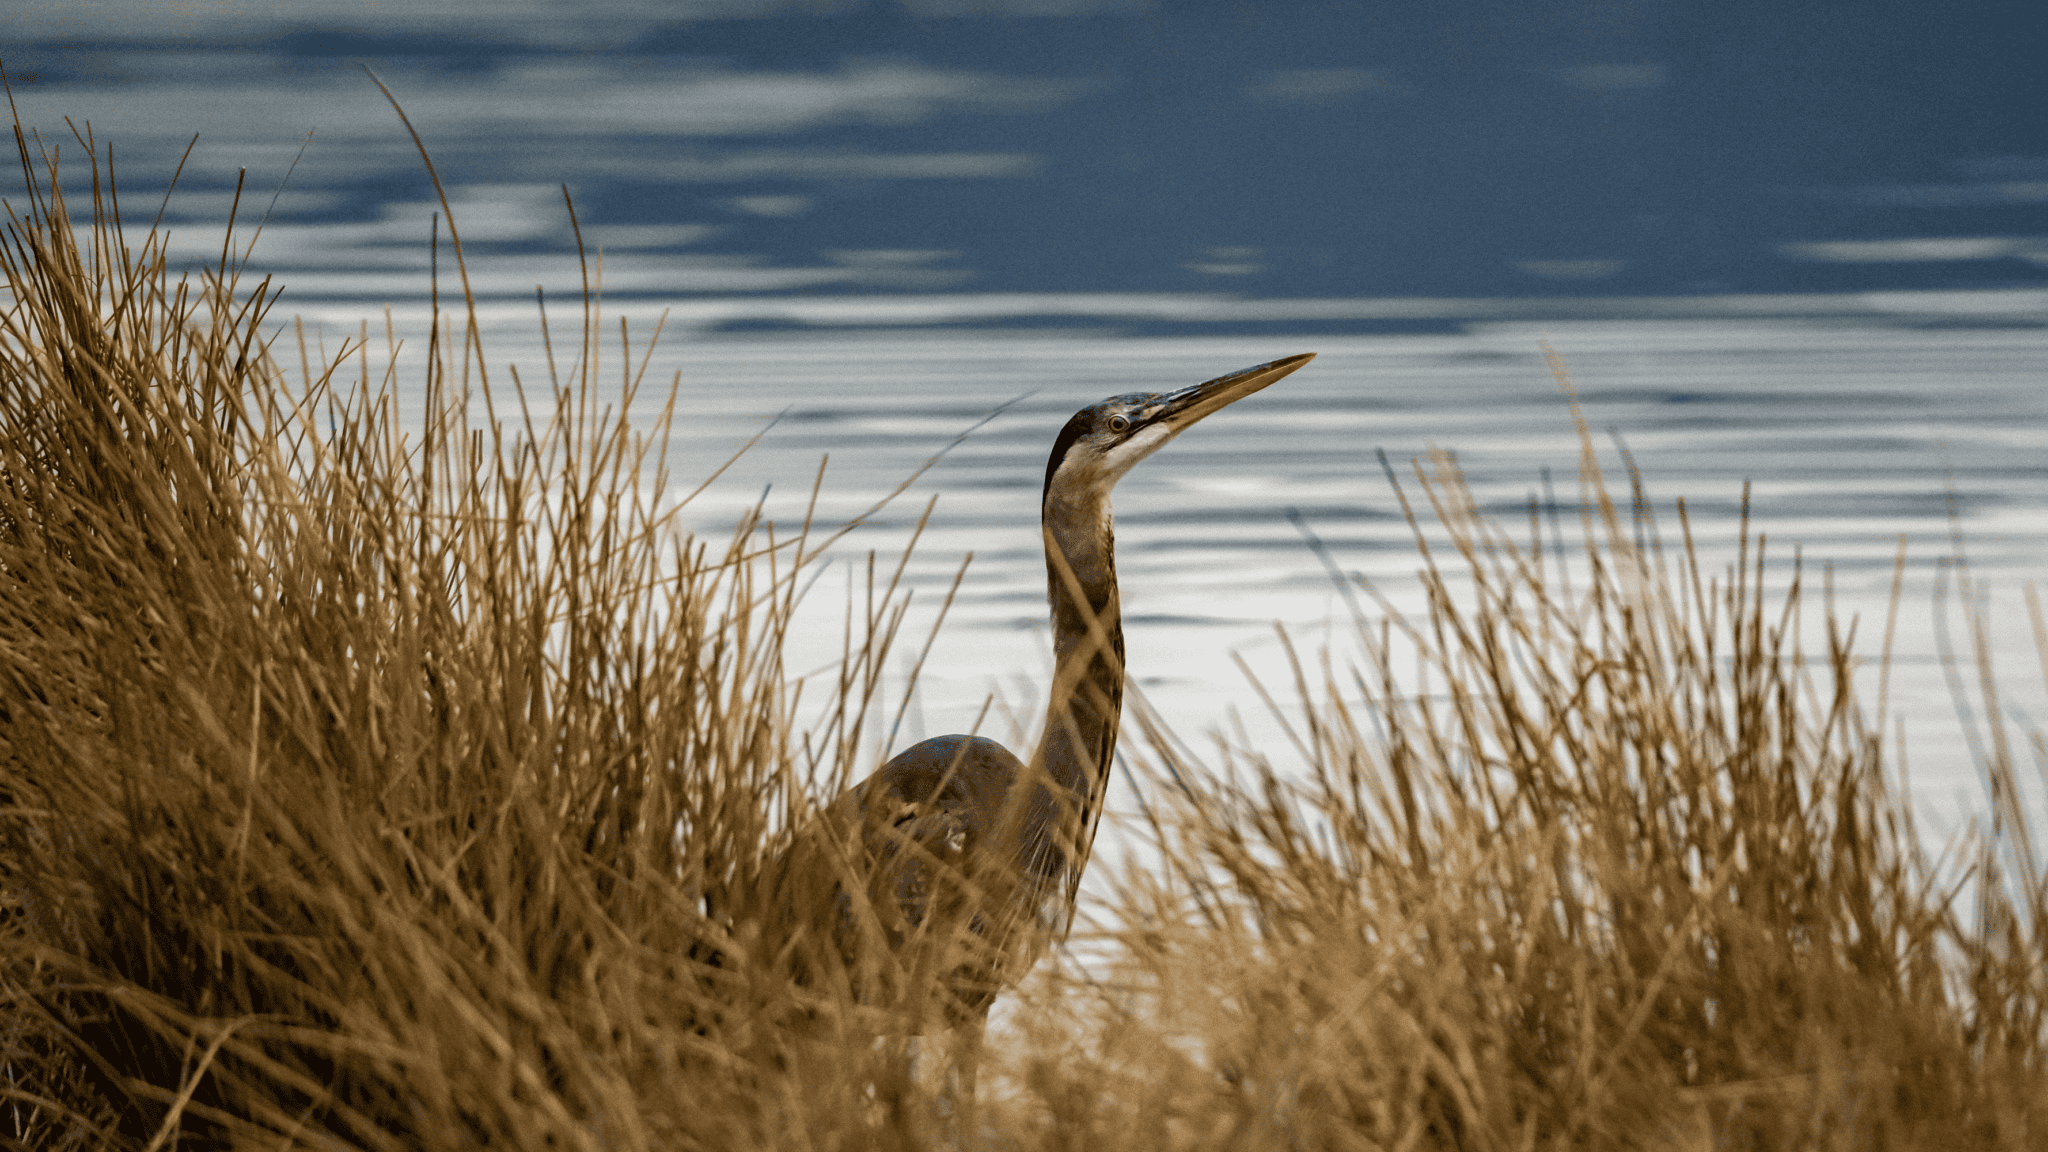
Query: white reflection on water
[{"x": 1852, "y": 432}]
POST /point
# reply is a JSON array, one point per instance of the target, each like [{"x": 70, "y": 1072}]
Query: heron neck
[{"x": 1088, "y": 644}]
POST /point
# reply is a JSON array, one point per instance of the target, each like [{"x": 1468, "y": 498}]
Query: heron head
[{"x": 1108, "y": 438}]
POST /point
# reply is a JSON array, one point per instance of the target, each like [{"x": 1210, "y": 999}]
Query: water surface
[{"x": 1923, "y": 420}]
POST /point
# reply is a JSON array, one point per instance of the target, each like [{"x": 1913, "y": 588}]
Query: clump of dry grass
[
  {"x": 403, "y": 787},
  {"x": 413, "y": 788},
  {"x": 1583, "y": 860}
]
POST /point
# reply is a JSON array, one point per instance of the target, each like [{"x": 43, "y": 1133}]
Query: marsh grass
[
  {"x": 1630, "y": 871},
  {"x": 420, "y": 787}
]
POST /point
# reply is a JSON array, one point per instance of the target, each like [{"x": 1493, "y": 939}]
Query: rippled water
[
  {"x": 1852, "y": 431},
  {"x": 946, "y": 215}
]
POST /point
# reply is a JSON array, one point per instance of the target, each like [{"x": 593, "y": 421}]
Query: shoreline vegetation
[{"x": 368, "y": 786}]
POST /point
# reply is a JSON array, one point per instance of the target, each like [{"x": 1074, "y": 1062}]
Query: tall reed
[{"x": 372, "y": 786}]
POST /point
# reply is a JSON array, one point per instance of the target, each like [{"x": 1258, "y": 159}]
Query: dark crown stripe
[{"x": 1075, "y": 429}]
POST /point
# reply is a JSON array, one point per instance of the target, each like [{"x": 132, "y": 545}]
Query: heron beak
[{"x": 1180, "y": 409}]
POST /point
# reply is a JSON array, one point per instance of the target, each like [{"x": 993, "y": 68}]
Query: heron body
[{"x": 959, "y": 844}]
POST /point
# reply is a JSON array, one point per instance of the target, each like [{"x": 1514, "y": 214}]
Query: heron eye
[{"x": 1119, "y": 423}]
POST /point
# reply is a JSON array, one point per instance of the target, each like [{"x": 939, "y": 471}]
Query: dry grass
[{"x": 418, "y": 788}]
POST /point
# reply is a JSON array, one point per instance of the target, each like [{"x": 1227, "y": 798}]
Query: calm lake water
[
  {"x": 882, "y": 229},
  {"x": 1857, "y": 424}
]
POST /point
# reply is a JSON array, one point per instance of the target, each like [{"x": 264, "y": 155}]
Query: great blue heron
[{"x": 961, "y": 847}]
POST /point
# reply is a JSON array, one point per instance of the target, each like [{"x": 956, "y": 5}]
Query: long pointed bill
[{"x": 1180, "y": 409}]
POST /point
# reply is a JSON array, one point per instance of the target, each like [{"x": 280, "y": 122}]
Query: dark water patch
[
  {"x": 1150, "y": 683},
  {"x": 1761, "y": 421},
  {"x": 1167, "y": 619},
  {"x": 1267, "y": 545},
  {"x": 1206, "y": 513},
  {"x": 1290, "y": 326},
  {"x": 748, "y": 324},
  {"x": 1970, "y": 323},
  {"x": 1488, "y": 356},
  {"x": 958, "y": 478},
  {"x": 474, "y": 48},
  {"x": 1843, "y": 445},
  {"x": 1883, "y": 506},
  {"x": 1110, "y": 325},
  {"x": 1790, "y": 397}
]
